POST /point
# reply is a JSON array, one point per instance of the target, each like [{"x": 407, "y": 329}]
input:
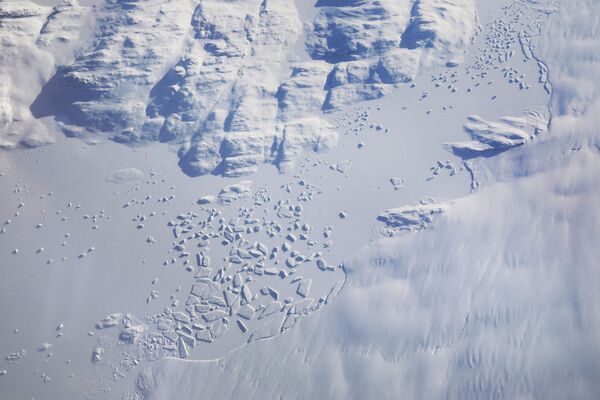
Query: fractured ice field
[{"x": 227, "y": 198}]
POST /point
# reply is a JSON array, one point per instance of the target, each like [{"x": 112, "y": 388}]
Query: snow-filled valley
[{"x": 297, "y": 199}]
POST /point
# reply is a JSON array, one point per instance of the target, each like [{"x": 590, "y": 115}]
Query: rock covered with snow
[
  {"x": 444, "y": 26},
  {"x": 354, "y": 30},
  {"x": 234, "y": 192},
  {"x": 22, "y": 9},
  {"x": 219, "y": 78},
  {"x": 375, "y": 44},
  {"x": 213, "y": 77},
  {"x": 491, "y": 138},
  {"x": 250, "y": 116},
  {"x": 412, "y": 217},
  {"x": 20, "y": 23},
  {"x": 65, "y": 26},
  {"x": 106, "y": 86},
  {"x": 39, "y": 38}
]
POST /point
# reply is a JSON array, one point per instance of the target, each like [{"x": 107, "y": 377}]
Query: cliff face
[{"x": 220, "y": 78}]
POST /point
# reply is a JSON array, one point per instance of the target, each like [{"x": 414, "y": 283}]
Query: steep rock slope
[
  {"x": 377, "y": 44},
  {"x": 233, "y": 93},
  {"x": 105, "y": 87},
  {"x": 218, "y": 77},
  {"x": 32, "y": 39}
]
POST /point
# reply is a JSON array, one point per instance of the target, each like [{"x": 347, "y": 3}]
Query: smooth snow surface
[{"x": 340, "y": 199}]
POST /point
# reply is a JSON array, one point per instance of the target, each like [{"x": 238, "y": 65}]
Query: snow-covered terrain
[{"x": 288, "y": 199}]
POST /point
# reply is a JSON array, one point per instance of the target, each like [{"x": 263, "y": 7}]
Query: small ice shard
[
  {"x": 205, "y": 288},
  {"x": 271, "y": 308},
  {"x": 270, "y": 271},
  {"x": 217, "y": 329},
  {"x": 270, "y": 329},
  {"x": 246, "y": 311},
  {"x": 237, "y": 280},
  {"x": 206, "y": 200},
  {"x": 246, "y": 294},
  {"x": 110, "y": 321},
  {"x": 291, "y": 262},
  {"x": 203, "y": 272},
  {"x": 243, "y": 254},
  {"x": 304, "y": 287},
  {"x": 302, "y": 306},
  {"x": 242, "y": 326},
  {"x": 230, "y": 298},
  {"x": 321, "y": 264},
  {"x": 214, "y": 315},
  {"x": 97, "y": 354},
  {"x": 131, "y": 334},
  {"x": 397, "y": 182},
  {"x": 181, "y": 317},
  {"x": 273, "y": 293},
  {"x": 182, "y": 348},
  {"x": 187, "y": 339},
  {"x": 44, "y": 347},
  {"x": 204, "y": 336},
  {"x": 262, "y": 248}
]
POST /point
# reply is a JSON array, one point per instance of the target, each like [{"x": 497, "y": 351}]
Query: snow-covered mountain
[
  {"x": 297, "y": 199},
  {"x": 224, "y": 78}
]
